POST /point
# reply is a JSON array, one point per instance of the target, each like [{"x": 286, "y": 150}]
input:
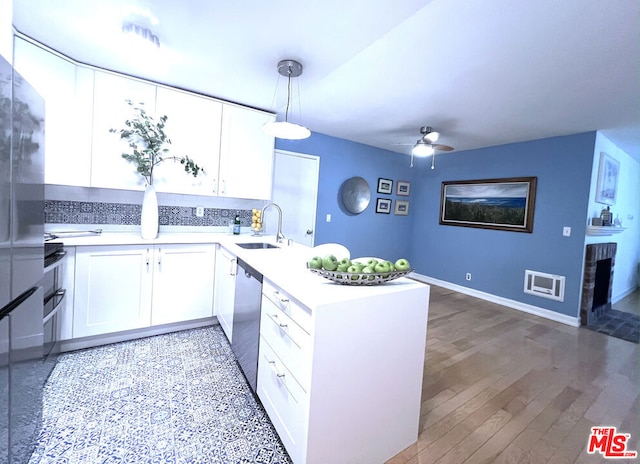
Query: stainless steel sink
[{"x": 256, "y": 245}]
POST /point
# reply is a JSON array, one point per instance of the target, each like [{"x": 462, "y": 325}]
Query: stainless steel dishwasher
[{"x": 246, "y": 320}]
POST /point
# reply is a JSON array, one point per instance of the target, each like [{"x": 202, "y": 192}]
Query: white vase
[{"x": 149, "y": 216}]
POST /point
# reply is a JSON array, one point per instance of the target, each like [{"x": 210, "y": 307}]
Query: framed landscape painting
[{"x": 503, "y": 204}]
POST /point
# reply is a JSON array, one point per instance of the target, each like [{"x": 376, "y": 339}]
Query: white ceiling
[{"x": 482, "y": 73}]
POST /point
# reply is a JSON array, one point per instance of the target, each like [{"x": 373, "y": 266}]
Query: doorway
[{"x": 295, "y": 190}]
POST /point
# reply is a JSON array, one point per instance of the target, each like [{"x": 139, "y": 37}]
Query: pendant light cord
[{"x": 286, "y": 113}]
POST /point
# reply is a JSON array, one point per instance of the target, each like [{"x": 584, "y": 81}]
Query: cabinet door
[
  {"x": 246, "y": 154},
  {"x": 182, "y": 283},
  {"x": 112, "y": 289},
  {"x": 193, "y": 125},
  {"x": 67, "y": 112},
  {"x": 224, "y": 295},
  {"x": 110, "y": 110}
]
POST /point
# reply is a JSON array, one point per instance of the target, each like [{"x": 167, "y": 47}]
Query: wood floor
[{"x": 502, "y": 386}]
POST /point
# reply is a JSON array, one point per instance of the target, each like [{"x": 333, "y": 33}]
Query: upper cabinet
[
  {"x": 83, "y": 105},
  {"x": 110, "y": 110},
  {"x": 193, "y": 126},
  {"x": 68, "y": 94},
  {"x": 246, "y": 154}
]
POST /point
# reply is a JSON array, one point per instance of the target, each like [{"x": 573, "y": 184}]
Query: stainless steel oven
[{"x": 53, "y": 297}]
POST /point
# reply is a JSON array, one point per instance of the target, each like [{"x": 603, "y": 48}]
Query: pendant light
[{"x": 285, "y": 129}]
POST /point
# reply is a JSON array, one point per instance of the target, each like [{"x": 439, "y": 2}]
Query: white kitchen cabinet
[
  {"x": 124, "y": 287},
  {"x": 68, "y": 94},
  {"x": 343, "y": 382},
  {"x": 110, "y": 110},
  {"x": 193, "y": 125},
  {"x": 246, "y": 154},
  {"x": 224, "y": 294},
  {"x": 182, "y": 283},
  {"x": 112, "y": 289}
]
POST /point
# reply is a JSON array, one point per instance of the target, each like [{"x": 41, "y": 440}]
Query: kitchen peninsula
[{"x": 340, "y": 367}]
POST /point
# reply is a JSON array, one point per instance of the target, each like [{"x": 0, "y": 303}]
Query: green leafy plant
[{"x": 147, "y": 139}]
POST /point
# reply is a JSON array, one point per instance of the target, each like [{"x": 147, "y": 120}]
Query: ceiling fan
[{"x": 426, "y": 145}]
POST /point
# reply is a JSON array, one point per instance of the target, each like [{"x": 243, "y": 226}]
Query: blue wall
[
  {"x": 497, "y": 259},
  {"x": 366, "y": 234}
]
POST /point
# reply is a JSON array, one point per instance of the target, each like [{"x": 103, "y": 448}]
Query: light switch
[
  {"x": 199, "y": 211},
  {"x": 328, "y": 218},
  {"x": 566, "y": 231}
]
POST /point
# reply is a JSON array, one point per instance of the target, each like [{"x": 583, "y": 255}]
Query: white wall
[
  {"x": 627, "y": 209},
  {"x": 6, "y": 29}
]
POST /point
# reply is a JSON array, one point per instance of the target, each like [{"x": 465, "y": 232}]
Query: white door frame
[{"x": 313, "y": 207}]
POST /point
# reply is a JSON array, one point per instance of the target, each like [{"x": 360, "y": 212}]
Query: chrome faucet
[{"x": 279, "y": 234}]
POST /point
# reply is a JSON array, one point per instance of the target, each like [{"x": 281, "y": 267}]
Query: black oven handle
[
  {"x": 58, "y": 257},
  {"x": 57, "y": 294}
]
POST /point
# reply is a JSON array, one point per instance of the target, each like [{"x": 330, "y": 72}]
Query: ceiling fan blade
[
  {"x": 431, "y": 137},
  {"x": 443, "y": 147}
]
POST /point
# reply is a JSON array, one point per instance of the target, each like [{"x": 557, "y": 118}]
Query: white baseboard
[
  {"x": 527, "y": 308},
  {"x": 106, "y": 339}
]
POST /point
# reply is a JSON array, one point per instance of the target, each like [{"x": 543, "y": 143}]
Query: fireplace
[{"x": 597, "y": 282}]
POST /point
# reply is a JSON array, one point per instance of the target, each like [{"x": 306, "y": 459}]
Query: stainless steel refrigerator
[{"x": 21, "y": 265}]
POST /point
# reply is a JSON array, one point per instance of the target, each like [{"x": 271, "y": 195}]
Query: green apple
[
  {"x": 343, "y": 267},
  {"x": 315, "y": 262},
  {"x": 402, "y": 265},
  {"x": 382, "y": 267},
  {"x": 330, "y": 263},
  {"x": 369, "y": 270},
  {"x": 345, "y": 262},
  {"x": 354, "y": 269},
  {"x": 356, "y": 266},
  {"x": 392, "y": 266},
  {"x": 372, "y": 262}
]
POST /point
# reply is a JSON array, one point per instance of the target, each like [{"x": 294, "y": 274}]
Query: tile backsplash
[{"x": 89, "y": 212}]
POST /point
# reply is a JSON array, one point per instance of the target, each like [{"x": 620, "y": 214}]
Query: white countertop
[{"x": 284, "y": 266}]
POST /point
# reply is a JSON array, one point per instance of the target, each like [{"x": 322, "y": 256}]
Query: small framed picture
[
  {"x": 608, "y": 173},
  {"x": 401, "y": 208},
  {"x": 383, "y": 205},
  {"x": 403, "y": 187},
  {"x": 385, "y": 186}
]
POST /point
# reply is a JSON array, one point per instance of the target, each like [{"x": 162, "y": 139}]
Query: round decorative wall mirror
[{"x": 355, "y": 195}]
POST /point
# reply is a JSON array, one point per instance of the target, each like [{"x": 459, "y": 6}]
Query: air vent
[{"x": 544, "y": 285}]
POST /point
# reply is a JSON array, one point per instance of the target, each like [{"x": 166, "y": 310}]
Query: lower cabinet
[
  {"x": 124, "y": 287},
  {"x": 224, "y": 294},
  {"x": 343, "y": 382},
  {"x": 182, "y": 283}
]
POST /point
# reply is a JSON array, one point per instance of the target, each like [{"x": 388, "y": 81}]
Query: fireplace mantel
[{"x": 602, "y": 231}]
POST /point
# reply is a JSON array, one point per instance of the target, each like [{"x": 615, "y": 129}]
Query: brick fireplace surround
[{"x": 594, "y": 253}]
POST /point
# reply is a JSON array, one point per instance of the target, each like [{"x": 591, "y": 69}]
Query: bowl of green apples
[{"x": 359, "y": 271}]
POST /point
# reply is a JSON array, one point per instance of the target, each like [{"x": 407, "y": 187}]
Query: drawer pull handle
[
  {"x": 275, "y": 370},
  {"x": 282, "y": 299}
]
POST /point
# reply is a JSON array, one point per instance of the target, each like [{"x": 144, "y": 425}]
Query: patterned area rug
[
  {"x": 175, "y": 398},
  {"x": 618, "y": 324}
]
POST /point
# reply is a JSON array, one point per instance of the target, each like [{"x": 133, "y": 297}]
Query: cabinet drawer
[
  {"x": 284, "y": 400},
  {"x": 287, "y": 339},
  {"x": 282, "y": 300}
]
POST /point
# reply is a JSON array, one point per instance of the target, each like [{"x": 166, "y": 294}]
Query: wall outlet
[
  {"x": 468, "y": 276},
  {"x": 566, "y": 231},
  {"x": 328, "y": 218},
  {"x": 199, "y": 211}
]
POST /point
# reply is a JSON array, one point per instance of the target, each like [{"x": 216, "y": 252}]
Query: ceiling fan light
[
  {"x": 286, "y": 130},
  {"x": 422, "y": 149}
]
